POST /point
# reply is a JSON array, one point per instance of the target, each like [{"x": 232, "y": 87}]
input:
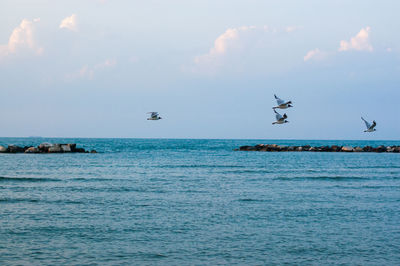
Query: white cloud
[
  {"x": 315, "y": 54},
  {"x": 88, "y": 72},
  {"x": 22, "y": 39},
  {"x": 70, "y": 23},
  {"x": 360, "y": 42},
  {"x": 231, "y": 40},
  {"x": 239, "y": 46},
  {"x": 221, "y": 45}
]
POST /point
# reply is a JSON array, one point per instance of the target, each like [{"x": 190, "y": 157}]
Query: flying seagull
[
  {"x": 282, "y": 104},
  {"x": 370, "y": 128},
  {"x": 280, "y": 119},
  {"x": 154, "y": 116}
]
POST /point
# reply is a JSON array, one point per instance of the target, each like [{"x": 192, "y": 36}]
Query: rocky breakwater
[
  {"x": 45, "y": 148},
  {"x": 333, "y": 148}
]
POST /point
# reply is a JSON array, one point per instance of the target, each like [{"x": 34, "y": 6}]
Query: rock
[
  {"x": 390, "y": 149},
  {"x": 44, "y": 147},
  {"x": 65, "y": 148},
  {"x": 259, "y": 147},
  {"x": 306, "y": 147},
  {"x": 283, "y": 148},
  {"x": 79, "y": 150},
  {"x": 3, "y": 149},
  {"x": 333, "y": 148},
  {"x": 291, "y": 148},
  {"x": 56, "y": 148},
  {"x": 347, "y": 149},
  {"x": 367, "y": 149},
  {"x": 72, "y": 146},
  {"x": 358, "y": 149},
  {"x": 15, "y": 149},
  {"x": 32, "y": 150},
  {"x": 380, "y": 149},
  {"x": 93, "y": 151},
  {"x": 336, "y": 148},
  {"x": 299, "y": 148}
]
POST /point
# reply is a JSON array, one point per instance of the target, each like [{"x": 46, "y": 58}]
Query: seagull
[
  {"x": 154, "y": 116},
  {"x": 282, "y": 104},
  {"x": 280, "y": 119},
  {"x": 370, "y": 128}
]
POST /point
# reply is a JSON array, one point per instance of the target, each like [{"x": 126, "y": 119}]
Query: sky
[{"x": 94, "y": 68}]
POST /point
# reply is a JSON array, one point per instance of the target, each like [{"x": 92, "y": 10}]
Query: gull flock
[{"x": 280, "y": 119}]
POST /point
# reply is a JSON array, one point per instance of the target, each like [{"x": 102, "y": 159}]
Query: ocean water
[{"x": 196, "y": 202}]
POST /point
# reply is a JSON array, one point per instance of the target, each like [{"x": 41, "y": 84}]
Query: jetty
[
  {"x": 45, "y": 148},
  {"x": 308, "y": 148}
]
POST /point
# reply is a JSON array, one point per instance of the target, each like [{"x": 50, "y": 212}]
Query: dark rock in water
[
  {"x": 72, "y": 146},
  {"x": 93, "y": 151},
  {"x": 44, "y": 147},
  {"x": 15, "y": 149},
  {"x": 291, "y": 148},
  {"x": 336, "y": 148},
  {"x": 333, "y": 148},
  {"x": 306, "y": 147},
  {"x": 79, "y": 150},
  {"x": 380, "y": 149},
  {"x": 367, "y": 149}
]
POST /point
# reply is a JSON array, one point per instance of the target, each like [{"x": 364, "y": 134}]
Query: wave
[
  {"x": 28, "y": 179},
  {"x": 200, "y": 166},
  {"x": 252, "y": 200},
  {"x": 323, "y": 177},
  {"x": 33, "y": 200}
]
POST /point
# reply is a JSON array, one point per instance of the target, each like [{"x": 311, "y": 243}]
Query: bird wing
[
  {"x": 373, "y": 124},
  {"x": 368, "y": 125},
  {"x": 278, "y": 116},
  {"x": 279, "y": 100},
  {"x": 153, "y": 114}
]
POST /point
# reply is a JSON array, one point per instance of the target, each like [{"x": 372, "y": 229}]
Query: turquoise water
[{"x": 185, "y": 202}]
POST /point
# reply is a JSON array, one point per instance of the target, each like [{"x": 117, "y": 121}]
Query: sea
[{"x": 198, "y": 202}]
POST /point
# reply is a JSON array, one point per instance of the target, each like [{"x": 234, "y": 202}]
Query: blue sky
[{"x": 94, "y": 68}]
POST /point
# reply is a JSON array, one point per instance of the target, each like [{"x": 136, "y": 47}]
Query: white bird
[
  {"x": 280, "y": 119},
  {"x": 154, "y": 116},
  {"x": 282, "y": 104},
  {"x": 370, "y": 128}
]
